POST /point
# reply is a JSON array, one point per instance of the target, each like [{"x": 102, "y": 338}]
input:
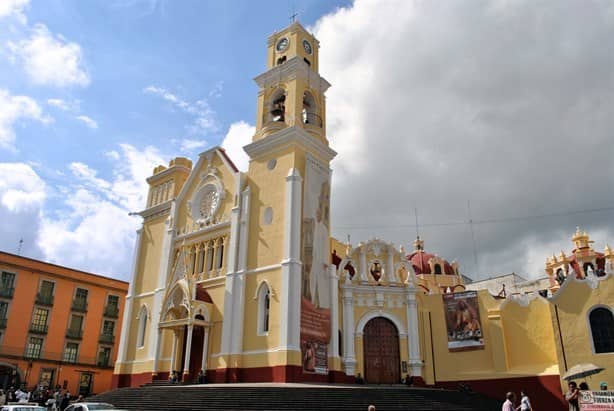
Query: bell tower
[{"x": 292, "y": 90}]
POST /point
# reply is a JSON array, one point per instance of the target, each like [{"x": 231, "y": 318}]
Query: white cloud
[
  {"x": 95, "y": 231},
  {"x": 13, "y": 109},
  {"x": 14, "y": 8},
  {"x": 188, "y": 145},
  {"x": 20, "y": 187},
  {"x": 50, "y": 59},
  {"x": 72, "y": 106},
  {"x": 204, "y": 118},
  {"x": 506, "y": 104},
  {"x": 88, "y": 121},
  {"x": 22, "y": 195},
  {"x": 239, "y": 134}
]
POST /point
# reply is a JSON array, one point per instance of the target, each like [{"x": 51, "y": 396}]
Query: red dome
[{"x": 420, "y": 261}]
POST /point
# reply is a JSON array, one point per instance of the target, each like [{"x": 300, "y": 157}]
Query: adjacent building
[{"x": 58, "y": 326}]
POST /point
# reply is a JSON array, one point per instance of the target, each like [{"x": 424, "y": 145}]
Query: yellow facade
[{"x": 219, "y": 275}]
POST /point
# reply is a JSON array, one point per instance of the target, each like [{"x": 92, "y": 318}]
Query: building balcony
[
  {"x": 111, "y": 311},
  {"x": 107, "y": 338},
  {"x": 3, "y": 322},
  {"x": 74, "y": 334},
  {"x": 79, "y": 305},
  {"x": 7, "y": 292},
  {"x": 42, "y": 299},
  {"x": 39, "y": 328}
]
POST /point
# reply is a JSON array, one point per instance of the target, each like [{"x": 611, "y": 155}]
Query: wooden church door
[{"x": 381, "y": 352}]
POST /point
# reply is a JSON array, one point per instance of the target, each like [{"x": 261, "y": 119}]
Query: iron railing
[
  {"x": 39, "y": 328},
  {"x": 44, "y": 299},
  {"x": 107, "y": 338},
  {"x": 7, "y": 292},
  {"x": 111, "y": 311},
  {"x": 50, "y": 356},
  {"x": 80, "y": 305},
  {"x": 74, "y": 333}
]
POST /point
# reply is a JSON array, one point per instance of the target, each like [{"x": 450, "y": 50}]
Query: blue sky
[{"x": 433, "y": 104}]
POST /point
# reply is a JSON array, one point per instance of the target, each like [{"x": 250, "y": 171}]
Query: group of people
[
  {"x": 510, "y": 402},
  {"x": 201, "y": 378},
  {"x": 57, "y": 400}
]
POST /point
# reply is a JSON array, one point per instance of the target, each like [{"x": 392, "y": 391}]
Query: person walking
[
  {"x": 525, "y": 403},
  {"x": 572, "y": 396},
  {"x": 508, "y": 405},
  {"x": 2, "y": 397}
]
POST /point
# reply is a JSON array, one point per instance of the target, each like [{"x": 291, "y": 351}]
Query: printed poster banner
[
  {"x": 463, "y": 321},
  {"x": 596, "y": 400},
  {"x": 315, "y": 284}
]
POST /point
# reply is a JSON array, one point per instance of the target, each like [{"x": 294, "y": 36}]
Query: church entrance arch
[{"x": 381, "y": 352}]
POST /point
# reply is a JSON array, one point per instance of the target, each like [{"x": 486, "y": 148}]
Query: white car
[
  {"x": 23, "y": 407},
  {"x": 90, "y": 406}
]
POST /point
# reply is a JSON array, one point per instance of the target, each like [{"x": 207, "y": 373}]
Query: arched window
[
  {"x": 264, "y": 304},
  {"x": 281, "y": 60},
  {"x": 310, "y": 112},
  {"x": 143, "y": 314},
  {"x": 601, "y": 322},
  {"x": 277, "y": 110},
  {"x": 437, "y": 268},
  {"x": 560, "y": 277},
  {"x": 588, "y": 266}
]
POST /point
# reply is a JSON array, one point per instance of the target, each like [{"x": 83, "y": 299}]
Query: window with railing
[
  {"x": 70, "y": 352},
  {"x": 4, "y": 307},
  {"x": 104, "y": 357},
  {"x": 39, "y": 320},
  {"x": 80, "y": 301},
  {"x": 75, "y": 327},
  {"x": 34, "y": 348},
  {"x": 108, "y": 329},
  {"x": 45, "y": 293},
  {"x": 112, "y": 307},
  {"x": 8, "y": 284}
]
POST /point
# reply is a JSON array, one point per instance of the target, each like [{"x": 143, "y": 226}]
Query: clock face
[
  {"x": 282, "y": 44},
  {"x": 307, "y": 47}
]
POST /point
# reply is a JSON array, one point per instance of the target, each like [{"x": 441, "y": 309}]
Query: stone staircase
[{"x": 295, "y": 397}]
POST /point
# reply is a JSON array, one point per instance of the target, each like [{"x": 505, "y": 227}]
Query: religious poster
[
  {"x": 315, "y": 284},
  {"x": 596, "y": 400},
  {"x": 463, "y": 321}
]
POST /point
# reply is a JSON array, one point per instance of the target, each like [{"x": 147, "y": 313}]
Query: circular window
[
  {"x": 205, "y": 203},
  {"x": 271, "y": 164},
  {"x": 268, "y": 215}
]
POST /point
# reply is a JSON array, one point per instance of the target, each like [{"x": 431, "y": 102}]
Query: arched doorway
[
  {"x": 381, "y": 352},
  {"x": 10, "y": 376}
]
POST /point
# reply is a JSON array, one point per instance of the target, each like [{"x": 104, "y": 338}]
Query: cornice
[
  {"x": 292, "y": 69},
  {"x": 287, "y": 137},
  {"x": 165, "y": 173},
  {"x": 157, "y": 209}
]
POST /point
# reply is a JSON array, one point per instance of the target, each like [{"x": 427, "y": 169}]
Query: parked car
[
  {"x": 90, "y": 406},
  {"x": 23, "y": 407}
]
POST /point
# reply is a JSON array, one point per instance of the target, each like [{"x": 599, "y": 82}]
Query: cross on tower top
[{"x": 293, "y": 16}]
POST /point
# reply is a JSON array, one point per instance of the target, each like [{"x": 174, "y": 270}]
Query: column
[
  {"x": 415, "y": 362},
  {"x": 203, "y": 365},
  {"x": 349, "y": 358},
  {"x": 334, "y": 312},
  {"x": 128, "y": 317},
  {"x": 188, "y": 350},
  {"x": 214, "y": 257},
  {"x": 290, "y": 305},
  {"x": 363, "y": 264},
  {"x": 390, "y": 274},
  {"x": 174, "y": 353},
  {"x": 157, "y": 353}
]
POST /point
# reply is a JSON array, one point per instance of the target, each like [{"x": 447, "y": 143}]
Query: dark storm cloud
[{"x": 508, "y": 105}]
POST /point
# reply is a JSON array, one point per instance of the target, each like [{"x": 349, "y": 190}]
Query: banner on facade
[
  {"x": 463, "y": 321},
  {"x": 596, "y": 400},
  {"x": 315, "y": 284}
]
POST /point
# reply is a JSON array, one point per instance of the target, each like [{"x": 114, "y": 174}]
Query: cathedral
[{"x": 236, "y": 274}]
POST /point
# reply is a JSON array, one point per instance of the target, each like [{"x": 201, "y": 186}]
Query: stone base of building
[{"x": 544, "y": 391}]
